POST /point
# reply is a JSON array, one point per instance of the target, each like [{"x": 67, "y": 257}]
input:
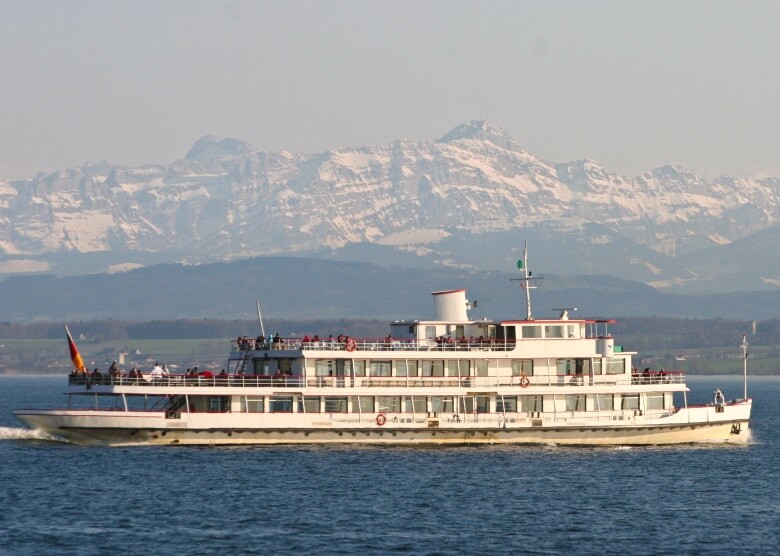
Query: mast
[
  {"x": 260, "y": 319},
  {"x": 744, "y": 347},
  {"x": 525, "y": 281}
]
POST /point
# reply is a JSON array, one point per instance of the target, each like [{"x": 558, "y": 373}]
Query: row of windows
[
  {"x": 461, "y": 367},
  {"x": 445, "y": 404}
]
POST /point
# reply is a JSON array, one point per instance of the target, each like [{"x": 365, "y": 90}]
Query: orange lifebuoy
[
  {"x": 351, "y": 345},
  {"x": 381, "y": 419},
  {"x": 524, "y": 382}
]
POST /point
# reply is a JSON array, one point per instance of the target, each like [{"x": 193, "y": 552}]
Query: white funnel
[{"x": 451, "y": 305}]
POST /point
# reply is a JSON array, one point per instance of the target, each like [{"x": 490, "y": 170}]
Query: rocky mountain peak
[
  {"x": 478, "y": 130},
  {"x": 211, "y": 146}
]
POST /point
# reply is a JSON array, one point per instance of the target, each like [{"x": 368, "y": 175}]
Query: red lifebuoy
[
  {"x": 381, "y": 419},
  {"x": 524, "y": 382},
  {"x": 351, "y": 345}
]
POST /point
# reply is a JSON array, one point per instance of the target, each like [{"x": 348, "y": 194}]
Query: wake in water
[{"x": 13, "y": 433}]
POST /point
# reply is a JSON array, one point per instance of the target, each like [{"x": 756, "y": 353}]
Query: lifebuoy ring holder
[
  {"x": 524, "y": 382},
  {"x": 351, "y": 345},
  {"x": 381, "y": 419}
]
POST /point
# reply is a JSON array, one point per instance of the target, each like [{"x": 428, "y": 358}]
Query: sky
[{"x": 632, "y": 85}]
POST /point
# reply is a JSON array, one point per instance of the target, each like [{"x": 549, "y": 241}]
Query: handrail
[{"x": 253, "y": 381}]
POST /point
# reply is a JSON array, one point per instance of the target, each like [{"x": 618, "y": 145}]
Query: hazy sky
[{"x": 633, "y": 85}]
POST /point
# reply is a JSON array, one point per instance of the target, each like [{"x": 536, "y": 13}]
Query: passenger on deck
[
  {"x": 223, "y": 374},
  {"x": 306, "y": 340},
  {"x": 112, "y": 370},
  {"x": 260, "y": 342},
  {"x": 646, "y": 375},
  {"x": 277, "y": 343}
]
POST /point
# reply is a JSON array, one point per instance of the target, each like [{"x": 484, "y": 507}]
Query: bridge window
[
  {"x": 553, "y": 331},
  {"x": 325, "y": 367},
  {"x": 532, "y": 332},
  {"x": 482, "y": 404}
]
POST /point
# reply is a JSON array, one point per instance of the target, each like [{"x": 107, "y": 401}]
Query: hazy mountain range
[{"x": 466, "y": 202}]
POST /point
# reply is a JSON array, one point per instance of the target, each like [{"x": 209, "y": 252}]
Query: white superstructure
[{"x": 450, "y": 380}]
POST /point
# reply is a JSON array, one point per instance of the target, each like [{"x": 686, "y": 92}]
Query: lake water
[{"x": 64, "y": 499}]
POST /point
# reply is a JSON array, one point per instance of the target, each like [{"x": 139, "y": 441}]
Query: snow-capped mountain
[{"x": 227, "y": 199}]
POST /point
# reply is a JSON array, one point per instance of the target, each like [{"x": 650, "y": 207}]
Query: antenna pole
[
  {"x": 260, "y": 319},
  {"x": 525, "y": 281},
  {"x": 529, "y": 316},
  {"x": 744, "y": 361}
]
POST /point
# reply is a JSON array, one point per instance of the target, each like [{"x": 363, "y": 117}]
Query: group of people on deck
[{"x": 647, "y": 376}]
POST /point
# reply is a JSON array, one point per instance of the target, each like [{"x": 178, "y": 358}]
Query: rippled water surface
[{"x": 64, "y": 499}]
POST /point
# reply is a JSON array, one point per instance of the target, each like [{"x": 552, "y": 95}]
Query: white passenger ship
[{"x": 450, "y": 380}]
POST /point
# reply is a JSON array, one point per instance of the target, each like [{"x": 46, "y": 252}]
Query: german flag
[{"x": 75, "y": 356}]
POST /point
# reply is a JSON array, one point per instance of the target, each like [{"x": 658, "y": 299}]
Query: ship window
[
  {"x": 380, "y": 368},
  {"x": 388, "y": 404},
  {"x": 310, "y": 404},
  {"x": 466, "y": 404},
  {"x": 432, "y": 368},
  {"x": 654, "y": 401},
  {"x": 575, "y": 402},
  {"x": 359, "y": 368},
  {"x": 325, "y": 367},
  {"x": 483, "y": 404},
  {"x": 532, "y": 332},
  {"x": 441, "y": 404},
  {"x": 262, "y": 366},
  {"x": 430, "y": 332},
  {"x": 252, "y": 405},
  {"x": 597, "y": 368},
  {"x": 506, "y": 404},
  {"x": 219, "y": 404},
  {"x": 616, "y": 366},
  {"x": 458, "y": 367},
  {"x": 630, "y": 401},
  {"x": 565, "y": 366},
  {"x": 522, "y": 367},
  {"x": 553, "y": 331},
  {"x": 603, "y": 402},
  {"x": 482, "y": 367},
  {"x": 406, "y": 368},
  {"x": 415, "y": 404},
  {"x": 281, "y": 404},
  {"x": 531, "y": 403},
  {"x": 362, "y": 404},
  {"x": 336, "y": 405},
  {"x": 285, "y": 366}
]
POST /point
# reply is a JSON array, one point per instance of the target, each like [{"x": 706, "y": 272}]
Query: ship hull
[{"x": 150, "y": 430}]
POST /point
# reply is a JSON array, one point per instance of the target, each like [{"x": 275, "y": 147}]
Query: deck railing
[{"x": 252, "y": 381}]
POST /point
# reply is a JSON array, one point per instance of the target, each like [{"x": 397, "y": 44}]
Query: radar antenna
[{"x": 525, "y": 281}]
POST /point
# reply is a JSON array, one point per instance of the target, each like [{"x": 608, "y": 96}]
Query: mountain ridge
[{"x": 226, "y": 199}]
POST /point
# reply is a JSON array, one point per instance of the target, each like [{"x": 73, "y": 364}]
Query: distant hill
[{"x": 301, "y": 288}]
